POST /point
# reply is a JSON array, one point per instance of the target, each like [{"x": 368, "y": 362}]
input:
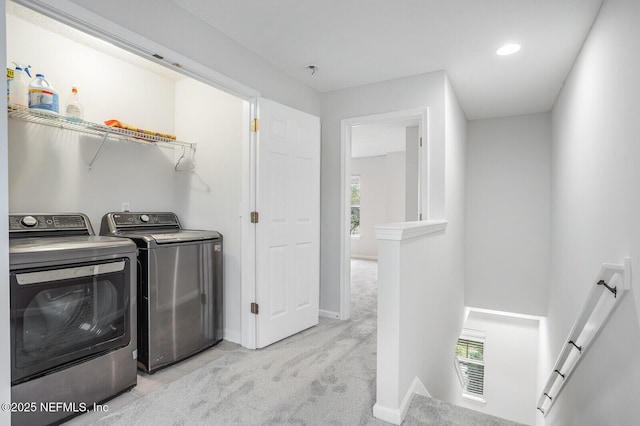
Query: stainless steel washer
[
  {"x": 179, "y": 286},
  {"x": 73, "y": 317}
]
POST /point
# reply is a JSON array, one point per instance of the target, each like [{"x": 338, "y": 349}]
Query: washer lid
[
  {"x": 158, "y": 237},
  {"x": 184, "y": 236}
]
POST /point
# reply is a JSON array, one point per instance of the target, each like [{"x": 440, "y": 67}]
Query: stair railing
[{"x": 612, "y": 283}]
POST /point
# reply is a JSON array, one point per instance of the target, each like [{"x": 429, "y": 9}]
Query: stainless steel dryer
[
  {"x": 179, "y": 286},
  {"x": 73, "y": 317}
]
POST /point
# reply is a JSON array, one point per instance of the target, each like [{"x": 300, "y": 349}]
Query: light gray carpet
[
  {"x": 432, "y": 412},
  {"x": 322, "y": 376}
]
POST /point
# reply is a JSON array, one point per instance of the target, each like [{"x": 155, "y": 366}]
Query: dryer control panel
[
  {"x": 142, "y": 219},
  {"x": 75, "y": 224},
  {"x": 115, "y": 223}
]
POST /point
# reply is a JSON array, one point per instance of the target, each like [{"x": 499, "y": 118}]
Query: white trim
[
  {"x": 345, "y": 187},
  {"x": 397, "y": 415},
  {"x": 248, "y": 268},
  {"x": 474, "y": 335},
  {"x": 456, "y": 365},
  {"x": 329, "y": 314},
  {"x": 363, "y": 257},
  {"x": 473, "y": 398},
  {"x": 389, "y": 415},
  {"x": 406, "y": 230},
  {"x": 504, "y": 313},
  {"x": 386, "y": 117},
  {"x": 5, "y": 355},
  {"x": 345, "y": 221}
]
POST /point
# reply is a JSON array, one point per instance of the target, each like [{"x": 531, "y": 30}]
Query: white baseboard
[
  {"x": 397, "y": 415},
  {"x": 232, "y": 336},
  {"x": 388, "y": 415},
  {"x": 328, "y": 314}
]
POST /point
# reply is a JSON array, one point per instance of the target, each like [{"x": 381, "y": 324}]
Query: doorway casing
[{"x": 421, "y": 115}]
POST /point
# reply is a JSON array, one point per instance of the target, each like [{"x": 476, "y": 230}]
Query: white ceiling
[{"x": 357, "y": 42}]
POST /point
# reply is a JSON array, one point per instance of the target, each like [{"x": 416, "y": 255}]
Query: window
[
  {"x": 470, "y": 364},
  {"x": 355, "y": 206}
]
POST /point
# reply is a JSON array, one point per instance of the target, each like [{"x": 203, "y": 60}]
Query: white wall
[
  {"x": 396, "y": 95},
  {"x": 451, "y": 254},
  {"x": 508, "y": 214},
  {"x": 416, "y": 331},
  {"x": 5, "y": 352},
  {"x": 48, "y": 168},
  {"x": 171, "y": 26},
  {"x": 377, "y": 138},
  {"x": 421, "y": 283},
  {"x": 382, "y": 182},
  {"x": 373, "y": 190},
  {"x": 510, "y": 351},
  {"x": 431, "y": 315},
  {"x": 595, "y": 211},
  {"x": 396, "y": 183},
  {"x": 108, "y": 87},
  {"x": 214, "y": 188}
]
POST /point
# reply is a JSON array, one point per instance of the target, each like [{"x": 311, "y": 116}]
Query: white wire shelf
[{"x": 59, "y": 121}]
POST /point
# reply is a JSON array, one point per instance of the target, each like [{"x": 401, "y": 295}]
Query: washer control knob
[
  {"x": 144, "y": 218},
  {"x": 29, "y": 221}
]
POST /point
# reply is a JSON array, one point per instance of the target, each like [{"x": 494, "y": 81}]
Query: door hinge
[
  {"x": 255, "y": 125},
  {"x": 420, "y": 141},
  {"x": 420, "y": 216},
  {"x": 255, "y": 308},
  {"x": 255, "y": 217}
]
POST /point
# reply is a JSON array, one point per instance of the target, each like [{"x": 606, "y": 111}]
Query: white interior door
[{"x": 288, "y": 228}]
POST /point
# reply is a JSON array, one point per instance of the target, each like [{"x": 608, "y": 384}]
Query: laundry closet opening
[{"x": 49, "y": 167}]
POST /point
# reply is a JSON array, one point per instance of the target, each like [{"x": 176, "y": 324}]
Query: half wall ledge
[{"x": 406, "y": 230}]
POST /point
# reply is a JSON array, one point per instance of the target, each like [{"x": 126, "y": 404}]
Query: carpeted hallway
[{"x": 322, "y": 376}]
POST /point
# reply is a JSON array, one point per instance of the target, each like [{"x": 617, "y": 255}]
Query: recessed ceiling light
[{"x": 508, "y": 49}]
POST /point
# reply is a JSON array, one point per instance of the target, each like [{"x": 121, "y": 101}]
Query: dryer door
[{"x": 64, "y": 314}]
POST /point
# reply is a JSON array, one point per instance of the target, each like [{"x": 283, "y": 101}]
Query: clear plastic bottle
[
  {"x": 19, "y": 87},
  {"x": 42, "y": 95},
  {"x": 74, "y": 110}
]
